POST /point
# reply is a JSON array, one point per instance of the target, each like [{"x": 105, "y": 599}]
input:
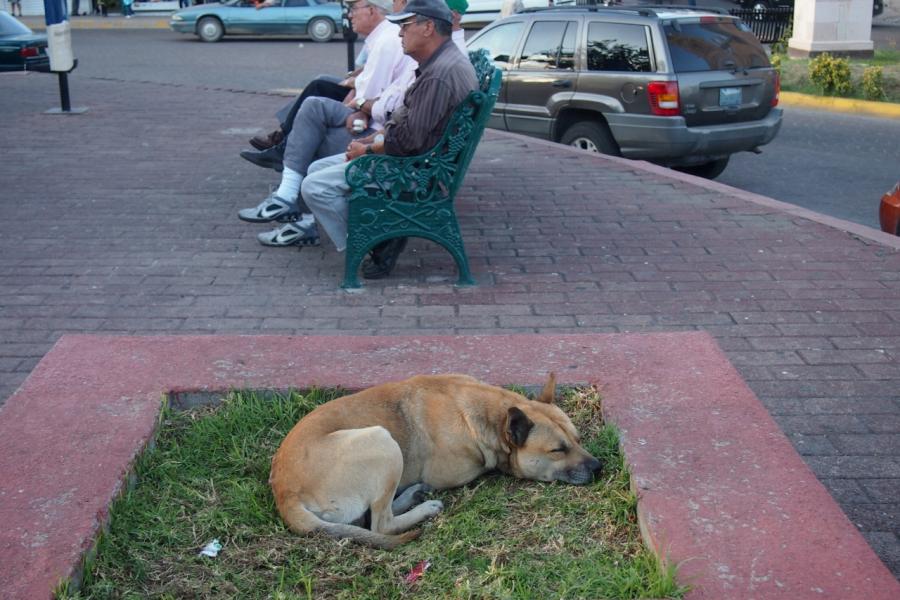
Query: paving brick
[
  {"x": 882, "y": 423},
  {"x": 821, "y": 424},
  {"x": 885, "y": 444},
  {"x": 868, "y": 517},
  {"x": 846, "y": 467},
  {"x": 846, "y": 491},
  {"x": 813, "y": 445},
  {"x": 882, "y": 490}
]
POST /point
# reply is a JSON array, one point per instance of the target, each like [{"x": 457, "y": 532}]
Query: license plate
[{"x": 730, "y": 97}]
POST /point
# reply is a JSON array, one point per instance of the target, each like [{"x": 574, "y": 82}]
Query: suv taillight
[
  {"x": 777, "y": 89},
  {"x": 28, "y": 52},
  {"x": 664, "y": 98}
]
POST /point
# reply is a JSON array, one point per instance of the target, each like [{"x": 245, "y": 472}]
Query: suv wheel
[
  {"x": 709, "y": 170},
  {"x": 591, "y": 136}
]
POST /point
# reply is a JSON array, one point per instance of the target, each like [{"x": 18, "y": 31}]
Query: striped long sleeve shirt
[{"x": 442, "y": 82}]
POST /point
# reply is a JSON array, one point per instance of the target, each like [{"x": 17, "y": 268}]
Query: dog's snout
[{"x": 594, "y": 465}]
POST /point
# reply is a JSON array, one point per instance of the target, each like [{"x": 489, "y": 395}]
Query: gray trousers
[
  {"x": 319, "y": 130},
  {"x": 325, "y": 191}
]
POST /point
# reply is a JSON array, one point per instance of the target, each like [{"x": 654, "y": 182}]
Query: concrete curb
[
  {"x": 157, "y": 21},
  {"x": 722, "y": 493},
  {"x": 887, "y": 110}
]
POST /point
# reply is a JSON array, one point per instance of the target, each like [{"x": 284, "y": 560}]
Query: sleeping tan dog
[{"x": 352, "y": 454}]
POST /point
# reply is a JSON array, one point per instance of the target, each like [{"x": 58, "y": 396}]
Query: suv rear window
[
  {"x": 713, "y": 46},
  {"x": 617, "y": 47}
]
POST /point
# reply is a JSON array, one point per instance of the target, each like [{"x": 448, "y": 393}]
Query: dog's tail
[
  {"x": 367, "y": 536},
  {"x": 301, "y": 520}
]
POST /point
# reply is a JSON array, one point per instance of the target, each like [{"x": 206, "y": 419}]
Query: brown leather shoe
[{"x": 264, "y": 142}]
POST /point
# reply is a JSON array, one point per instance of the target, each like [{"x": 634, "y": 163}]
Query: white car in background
[{"x": 482, "y": 12}]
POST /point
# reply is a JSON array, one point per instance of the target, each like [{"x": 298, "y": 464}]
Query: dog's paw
[
  {"x": 421, "y": 491},
  {"x": 432, "y": 507}
]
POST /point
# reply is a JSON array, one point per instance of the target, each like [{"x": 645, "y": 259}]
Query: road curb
[
  {"x": 888, "y": 110},
  {"x": 157, "y": 21}
]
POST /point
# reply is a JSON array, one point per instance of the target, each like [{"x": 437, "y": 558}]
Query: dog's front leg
[{"x": 384, "y": 521}]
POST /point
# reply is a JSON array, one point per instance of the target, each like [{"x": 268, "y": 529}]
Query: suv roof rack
[{"x": 649, "y": 10}]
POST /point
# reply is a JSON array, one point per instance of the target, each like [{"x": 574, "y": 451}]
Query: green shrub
[
  {"x": 831, "y": 75},
  {"x": 776, "y": 62},
  {"x": 873, "y": 83}
]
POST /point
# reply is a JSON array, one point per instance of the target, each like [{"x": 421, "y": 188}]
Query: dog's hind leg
[{"x": 414, "y": 494}]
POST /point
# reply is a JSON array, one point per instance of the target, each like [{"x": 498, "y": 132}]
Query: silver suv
[{"x": 681, "y": 87}]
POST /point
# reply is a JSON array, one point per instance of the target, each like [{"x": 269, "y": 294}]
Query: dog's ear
[
  {"x": 518, "y": 426},
  {"x": 548, "y": 394}
]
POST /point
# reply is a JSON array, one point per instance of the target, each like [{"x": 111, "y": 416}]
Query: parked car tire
[
  {"x": 320, "y": 30},
  {"x": 709, "y": 170},
  {"x": 591, "y": 136},
  {"x": 210, "y": 29}
]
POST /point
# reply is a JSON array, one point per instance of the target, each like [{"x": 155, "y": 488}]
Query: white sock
[{"x": 290, "y": 185}]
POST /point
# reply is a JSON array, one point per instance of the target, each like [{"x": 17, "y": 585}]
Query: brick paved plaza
[{"x": 123, "y": 221}]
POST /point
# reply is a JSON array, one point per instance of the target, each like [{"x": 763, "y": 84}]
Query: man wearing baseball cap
[{"x": 443, "y": 80}]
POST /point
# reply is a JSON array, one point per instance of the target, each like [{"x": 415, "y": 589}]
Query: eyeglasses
[
  {"x": 406, "y": 24},
  {"x": 358, "y": 5}
]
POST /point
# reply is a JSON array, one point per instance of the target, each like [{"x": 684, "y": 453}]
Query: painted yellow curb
[{"x": 888, "y": 110}]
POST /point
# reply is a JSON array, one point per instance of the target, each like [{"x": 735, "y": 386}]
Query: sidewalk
[{"x": 144, "y": 240}]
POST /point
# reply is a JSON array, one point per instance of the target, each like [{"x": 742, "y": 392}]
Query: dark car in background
[
  {"x": 20, "y": 48},
  {"x": 318, "y": 20},
  {"x": 877, "y": 5},
  {"x": 681, "y": 87}
]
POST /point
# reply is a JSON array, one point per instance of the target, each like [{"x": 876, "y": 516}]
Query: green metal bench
[{"x": 412, "y": 196}]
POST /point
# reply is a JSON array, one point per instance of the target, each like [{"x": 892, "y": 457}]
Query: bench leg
[
  {"x": 454, "y": 245},
  {"x": 462, "y": 263},
  {"x": 352, "y": 261}
]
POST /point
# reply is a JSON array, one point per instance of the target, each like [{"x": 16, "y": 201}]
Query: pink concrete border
[{"x": 722, "y": 492}]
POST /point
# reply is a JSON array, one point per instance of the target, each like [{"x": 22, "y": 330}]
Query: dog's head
[{"x": 545, "y": 445}]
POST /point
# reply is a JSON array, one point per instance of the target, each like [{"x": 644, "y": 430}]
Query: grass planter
[{"x": 498, "y": 537}]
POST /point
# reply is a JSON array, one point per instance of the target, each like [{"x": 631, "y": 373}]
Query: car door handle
[{"x": 562, "y": 83}]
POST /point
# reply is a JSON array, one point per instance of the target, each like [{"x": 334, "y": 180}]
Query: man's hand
[
  {"x": 349, "y": 82},
  {"x": 355, "y": 150},
  {"x": 354, "y": 116}
]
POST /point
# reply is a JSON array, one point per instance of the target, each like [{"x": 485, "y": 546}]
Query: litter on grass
[
  {"x": 211, "y": 549},
  {"x": 417, "y": 572}
]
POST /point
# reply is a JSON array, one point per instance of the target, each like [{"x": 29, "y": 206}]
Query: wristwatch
[
  {"x": 369, "y": 149},
  {"x": 359, "y": 103}
]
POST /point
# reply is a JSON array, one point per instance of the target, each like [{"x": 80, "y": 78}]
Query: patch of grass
[
  {"x": 795, "y": 75},
  {"x": 497, "y": 538}
]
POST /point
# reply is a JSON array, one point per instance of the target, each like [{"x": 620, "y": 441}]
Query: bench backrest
[
  {"x": 460, "y": 140},
  {"x": 435, "y": 175}
]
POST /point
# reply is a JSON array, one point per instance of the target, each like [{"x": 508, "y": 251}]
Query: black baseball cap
[{"x": 433, "y": 9}]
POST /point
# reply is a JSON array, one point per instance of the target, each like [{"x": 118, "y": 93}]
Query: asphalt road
[{"x": 832, "y": 163}]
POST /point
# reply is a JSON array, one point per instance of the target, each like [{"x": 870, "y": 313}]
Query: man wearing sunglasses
[{"x": 443, "y": 80}]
